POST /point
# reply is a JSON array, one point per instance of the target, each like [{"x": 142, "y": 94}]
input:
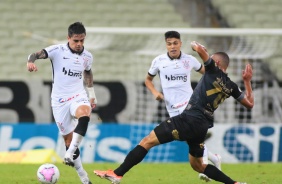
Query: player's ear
[{"x": 217, "y": 62}]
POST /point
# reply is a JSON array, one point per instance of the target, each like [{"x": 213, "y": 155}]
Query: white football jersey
[
  {"x": 175, "y": 79},
  {"x": 68, "y": 68}
]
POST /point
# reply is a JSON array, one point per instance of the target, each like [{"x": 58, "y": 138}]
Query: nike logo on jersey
[
  {"x": 65, "y": 58},
  {"x": 165, "y": 66}
]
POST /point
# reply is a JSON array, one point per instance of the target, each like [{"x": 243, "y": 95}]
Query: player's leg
[
  {"x": 81, "y": 110},
  {"x": 196, "y": 152},
  {"x": 66, "y": 126},
  {"x": 64, "y": 121},
  {"x": 160, "y": 135},
  {"x": 215, "y": 159},
  {"x": 210, "y": 170},
  {"x": 205, "y": 161},
  {"x": 136, "y": 155},
  {"x": 83, "y": 176},
  {"x": 133, "y": 158},
  {"x": 79, "y": 168}
]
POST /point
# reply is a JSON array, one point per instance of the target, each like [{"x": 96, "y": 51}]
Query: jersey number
[{"x": 220, "y": 97}]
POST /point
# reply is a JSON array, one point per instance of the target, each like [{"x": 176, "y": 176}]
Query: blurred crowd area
[{"x": 30, "y": 25}]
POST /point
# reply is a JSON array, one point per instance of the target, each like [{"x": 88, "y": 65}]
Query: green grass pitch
[{"x": 147, "y": 173}]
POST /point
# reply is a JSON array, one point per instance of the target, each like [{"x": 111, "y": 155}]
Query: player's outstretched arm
[
  {"x": 31, "y": 59},
  {"x": 149, "y": 84},
  {"x": 248, "y": 100},
  {"x": 201, "y": 50}
]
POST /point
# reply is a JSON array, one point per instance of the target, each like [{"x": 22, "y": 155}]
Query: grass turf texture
[{"x": 146, "y": 173}]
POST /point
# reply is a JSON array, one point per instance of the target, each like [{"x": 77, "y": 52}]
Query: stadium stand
[
  {"x": 48, "y": 21},
  {"x": 255, "y": 14}
]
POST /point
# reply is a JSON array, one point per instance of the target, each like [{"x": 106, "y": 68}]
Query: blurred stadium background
[{"x": 124, "y": 37}]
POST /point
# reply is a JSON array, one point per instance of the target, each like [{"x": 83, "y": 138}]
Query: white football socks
[
  {"x": 75, "y": 142},
  {"x": 205, "y": 155},
  {"x": 213, "y": 158},
  {"x": 78, "y": 166}
]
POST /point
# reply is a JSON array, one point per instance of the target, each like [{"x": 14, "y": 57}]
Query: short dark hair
[
  {"x": 224, "y": 57},
  {"x": 76, "y": 28},
  {"x": 172, "y": 34}
]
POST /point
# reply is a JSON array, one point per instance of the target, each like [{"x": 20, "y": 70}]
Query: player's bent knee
[
  {"x": 149, "y": 141},
  {"x": 83, "y": 110},
  {"x": 198, "y": 167}
]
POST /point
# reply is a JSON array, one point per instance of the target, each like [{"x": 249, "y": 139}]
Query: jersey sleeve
[
  {"x": 210, "y": 66},
  {"x": 237, "y": 92},
  {"x": 52, "y": 51},
  {"x": 196, "y": 64},
  {"x": 90, "y": 60},
  {"x": 154, "y": 69}
]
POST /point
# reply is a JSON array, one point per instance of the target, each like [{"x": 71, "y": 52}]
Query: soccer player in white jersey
[
  {"x": 71, "y": 105},
  {"x": 174, "y": 69}
]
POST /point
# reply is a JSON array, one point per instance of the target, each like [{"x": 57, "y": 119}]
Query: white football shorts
[{"x": 64, "y": 112}]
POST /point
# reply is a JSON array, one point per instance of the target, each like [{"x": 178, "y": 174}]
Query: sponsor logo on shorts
[
  {"x": 62, "y": 100},
  {"x": 175, "y": 134},
  {"x": 202, "y": 145}
]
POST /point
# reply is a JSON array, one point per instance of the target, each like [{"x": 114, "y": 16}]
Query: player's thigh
[
  {"x": 80, "y": 106},
  {"x": 165, "y": 131},
  {"x": 197, "y": 163},
  {"x": 149, "y": 141}
]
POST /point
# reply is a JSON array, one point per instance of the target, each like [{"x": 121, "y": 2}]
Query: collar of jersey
[
  {"x": 173, "y": 58},
  {"x": 74, "y": 52}
]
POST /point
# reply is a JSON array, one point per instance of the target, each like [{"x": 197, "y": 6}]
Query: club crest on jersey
[
  {"x": 85, "y": 59},
  {"x": 186, "y": 64}
]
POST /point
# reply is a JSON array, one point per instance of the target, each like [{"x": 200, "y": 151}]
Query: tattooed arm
[
  {"x": 34, "y": 56},
  {"x": 88, "y": 79}
]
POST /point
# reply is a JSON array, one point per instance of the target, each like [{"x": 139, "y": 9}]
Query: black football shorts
[{"x": 184, "y": 128}]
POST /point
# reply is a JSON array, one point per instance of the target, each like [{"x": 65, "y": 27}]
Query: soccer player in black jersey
[{"x": 192, "y": 125}]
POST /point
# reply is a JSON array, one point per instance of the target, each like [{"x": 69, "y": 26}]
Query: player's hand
[
  {"x": 159, "y": 96},
  {"x": 31, "y": 67},
  {"x": 247, "y": 73},
  {"x": 197, "y": 46},
  {"x": 93, "y": 103}
]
